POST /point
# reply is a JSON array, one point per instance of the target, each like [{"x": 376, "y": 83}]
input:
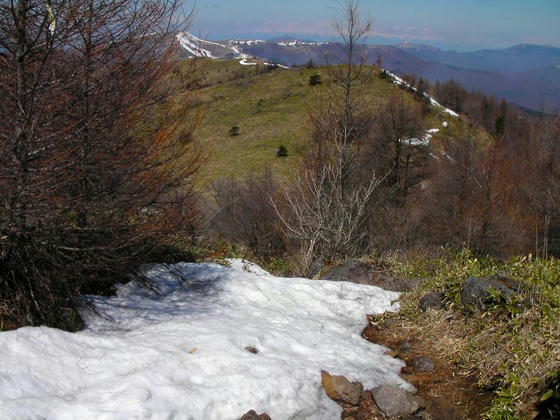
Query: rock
[
  {"x": 339, "y": 388},
  {"x": 252, "y": 415},
  {"x": 389, "y": 323},
  {"x": 371, "y": 333},
  {"x": 251, "y": 349},
  {"x": 405, "y": 346},
  {"x": 423, "y": 364},
  {"x": 434, "y": 301},
  {"x": 366, "y": 396},
  {"x": 391, "y": 282},
  {"x": 316, "y": 267},
  {"x": 352, "y": 271},
  {"x": 395, "y": 401},
  {"x": 362, "y": 273},
  {"x": 476, "y": 290}
]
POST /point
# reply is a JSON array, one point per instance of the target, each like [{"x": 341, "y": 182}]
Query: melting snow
[
  {"x": 180, "y": 353},
  {"x": 423, "y": 141},
  {"x": 400, "y": 82},
  {"x": 244, "y": 62}
]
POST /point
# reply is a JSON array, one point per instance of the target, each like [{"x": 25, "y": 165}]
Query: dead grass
[{"x": 513, "y": 348}]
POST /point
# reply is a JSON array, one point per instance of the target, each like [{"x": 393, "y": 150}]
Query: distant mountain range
[{"x": 527, "y": 75}]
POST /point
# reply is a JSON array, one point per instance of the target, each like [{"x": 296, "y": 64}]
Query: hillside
[{"x": 270, "y": 109}]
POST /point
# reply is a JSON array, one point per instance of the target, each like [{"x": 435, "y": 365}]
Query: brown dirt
[{"x": 449, "y": 392}]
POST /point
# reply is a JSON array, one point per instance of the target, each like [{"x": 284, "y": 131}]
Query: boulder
[
  {"x": 476, "y": 290},
  {"x": 366, "y": 396},
  {"x": 395, "y": 401},
  {"x": 252, "y": 415},
  {"x": 339, "y": 388},
  {"x": 359, "y": 272},
  {"x": 405, "y": 346},
  {"x": 351, "y": 271},
  {"x": 423, "y": 364},
  {"x": 434, "y": 301}
]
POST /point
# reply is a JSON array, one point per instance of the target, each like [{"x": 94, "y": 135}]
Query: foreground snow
[{"x": 180, "y": 353}]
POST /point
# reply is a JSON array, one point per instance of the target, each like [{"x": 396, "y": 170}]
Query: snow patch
[
  {"x": 244, "y": 62},
  {"x": 400, "y": 82},
  {"x": 180, "y": 352},
  {"x": 423, "y": 141}
]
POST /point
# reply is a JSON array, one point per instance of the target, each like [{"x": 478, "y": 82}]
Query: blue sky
[{"x": 449, "y": 24}]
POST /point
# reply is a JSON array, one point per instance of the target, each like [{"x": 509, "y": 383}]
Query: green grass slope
[{"x": 271, "y": 109}]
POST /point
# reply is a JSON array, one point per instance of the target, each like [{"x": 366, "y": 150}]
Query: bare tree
[
  {"x": 326, "y": 222},
  {"x": 89, "y": 178},
  {"x": 341, "y": 119},
  {"x": 397, "y": 141},
  {"x": 353, "y": 30},
  {"x": 325, "y": 209}
]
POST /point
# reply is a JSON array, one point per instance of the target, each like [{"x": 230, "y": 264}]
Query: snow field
[{"x": 180, "y": 353}]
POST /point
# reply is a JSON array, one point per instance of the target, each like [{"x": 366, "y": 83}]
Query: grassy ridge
[{"x": 271, "y": 109}]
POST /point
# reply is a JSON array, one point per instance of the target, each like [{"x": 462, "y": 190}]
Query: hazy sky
[{"x": 457, "y": 24}]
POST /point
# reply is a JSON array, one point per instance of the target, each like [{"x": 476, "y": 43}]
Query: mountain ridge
[{"x": 525, "y": 74}]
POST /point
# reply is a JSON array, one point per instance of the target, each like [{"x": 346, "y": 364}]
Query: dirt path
[{"x": 449, "y": 393}]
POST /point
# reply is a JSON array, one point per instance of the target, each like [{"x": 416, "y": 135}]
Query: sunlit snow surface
[{"x": 180, "y": 353}]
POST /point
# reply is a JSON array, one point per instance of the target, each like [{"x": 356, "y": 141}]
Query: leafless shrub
[
  {"x": 245, "y": 214},
  {"x": 325, "y": 218}
]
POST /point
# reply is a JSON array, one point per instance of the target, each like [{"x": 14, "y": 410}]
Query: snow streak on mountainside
[
  {"x": 189, "y": 43},
  {"x": 181, "y": 352},
  {"x": 398, "y": 81}
]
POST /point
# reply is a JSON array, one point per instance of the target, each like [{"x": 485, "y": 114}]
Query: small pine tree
[
  {"x": 315, "y": 79},
  {"x": 282, "y": 152},
  {"x": 233, "y": 131}
]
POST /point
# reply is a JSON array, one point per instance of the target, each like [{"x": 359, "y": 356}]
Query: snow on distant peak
[
  {"x": 296, "y": 43},
  {"x": 181, "y": 352},
  {"x": 194, "y": 45},
  {"x": 247, "y": 42}
]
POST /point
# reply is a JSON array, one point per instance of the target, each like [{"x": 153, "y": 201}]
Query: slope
[{"x": 270, "y": 108}]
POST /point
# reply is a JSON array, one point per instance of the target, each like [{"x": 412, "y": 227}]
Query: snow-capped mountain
[{"x": 526, "y": 75}]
